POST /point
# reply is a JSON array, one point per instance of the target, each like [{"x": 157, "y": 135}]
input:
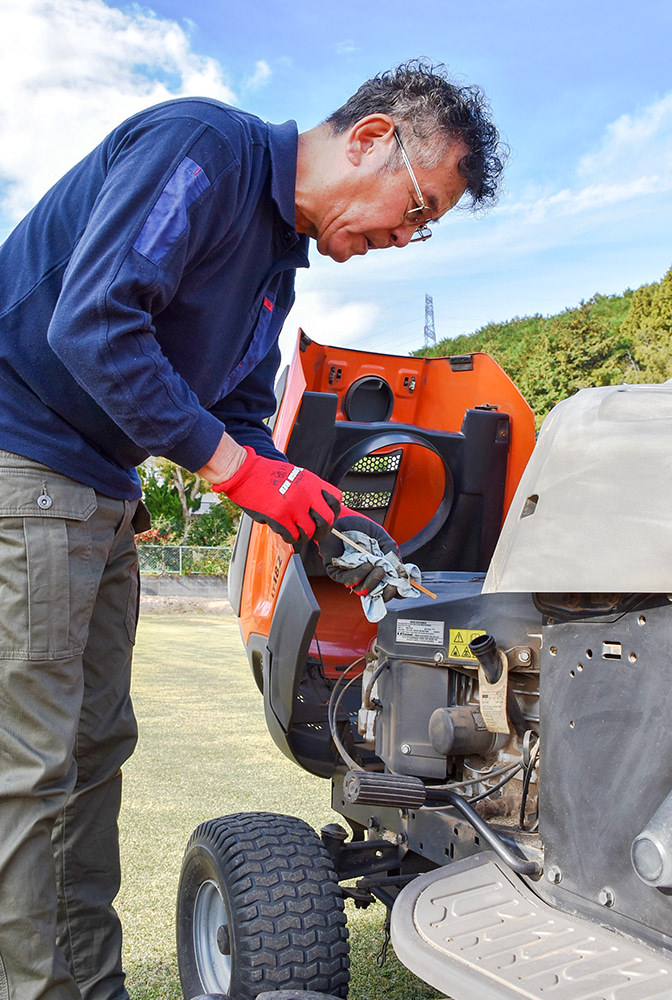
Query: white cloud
[
  {"x": 605, "y": 229},
  {"x": 324, "y": 317},
  {"x": 617, "y": 191},
  {"x": 346, "y": 48},
  {"x": 634, "y": 145},
  {"x": 633, "y": 161},
  {"x": 70, "y": 70},
  {"x": 261, "y": 76}
]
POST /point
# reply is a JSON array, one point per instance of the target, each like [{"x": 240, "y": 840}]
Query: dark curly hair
[{"x": 424, "y": 103}]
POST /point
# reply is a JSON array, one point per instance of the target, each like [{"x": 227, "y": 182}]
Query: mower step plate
[{"x": 476, "y": 932}]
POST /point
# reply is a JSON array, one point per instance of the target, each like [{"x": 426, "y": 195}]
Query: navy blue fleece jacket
[{"x": 142, "y": 298}]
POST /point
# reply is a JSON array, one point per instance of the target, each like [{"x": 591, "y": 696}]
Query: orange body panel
[
  {"x": 439, "y": 398},
  {"x": 427, "y": 393}
]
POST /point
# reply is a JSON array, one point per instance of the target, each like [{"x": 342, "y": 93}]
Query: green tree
[
  {"x": 172, "y": 496},
  {"x": 649, "y": 325},
  {"x": 574, "y": 351},
  {"x": 217, "y": 527}
]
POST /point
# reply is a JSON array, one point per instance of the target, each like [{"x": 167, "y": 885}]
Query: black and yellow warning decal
[{"x": 458, "y": 643}]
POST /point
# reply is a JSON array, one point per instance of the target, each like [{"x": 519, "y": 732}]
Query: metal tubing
[{"x": 518, "y": 865}]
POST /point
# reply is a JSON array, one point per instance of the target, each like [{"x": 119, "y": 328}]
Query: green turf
[{"x": 204, "y": 751}]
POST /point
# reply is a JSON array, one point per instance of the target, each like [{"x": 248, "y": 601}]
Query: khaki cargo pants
[{"x": 68, "y": 606}]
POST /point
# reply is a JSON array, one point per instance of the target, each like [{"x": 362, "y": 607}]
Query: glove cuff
[
  {"x": 239, "y": 474},
  {"x": 349, "y": 512}
]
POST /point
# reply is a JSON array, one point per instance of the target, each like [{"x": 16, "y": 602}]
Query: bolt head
[
  {"x": 554, "y": 875},
  {"x": 605, "y": 897},
  {"x": 406, "y": 749}
]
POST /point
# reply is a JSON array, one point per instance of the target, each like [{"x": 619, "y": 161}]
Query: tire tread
[{"x": 281, "y": 881}]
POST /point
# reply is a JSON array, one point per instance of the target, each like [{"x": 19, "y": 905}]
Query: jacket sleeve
[
  {"x": 149, "y": 222},
  {"x": 246, "y": 410}
]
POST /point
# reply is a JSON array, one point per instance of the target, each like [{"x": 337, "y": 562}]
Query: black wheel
[
  {"x": 295, "y": 995},
  {"x": 259, "y": 909}
]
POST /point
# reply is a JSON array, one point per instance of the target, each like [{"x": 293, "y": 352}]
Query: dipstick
[{"x": 360, "y": 548}]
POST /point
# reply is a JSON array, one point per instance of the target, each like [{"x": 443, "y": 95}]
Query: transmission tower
[{"x": 430, "y": 332}]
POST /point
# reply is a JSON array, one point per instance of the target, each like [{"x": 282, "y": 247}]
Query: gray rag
[{"x": 397, "y": 574}]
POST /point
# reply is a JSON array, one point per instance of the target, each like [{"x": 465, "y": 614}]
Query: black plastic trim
[
  {"x": 294, "y": 620},
  {"x": 236, "y": 575}
]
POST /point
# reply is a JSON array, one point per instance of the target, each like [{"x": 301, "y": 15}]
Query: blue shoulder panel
[{"x": 168, "y": 219}]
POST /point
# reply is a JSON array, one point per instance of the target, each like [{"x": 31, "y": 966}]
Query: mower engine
[
  {"x": 449, "y": 713},
  {"x": 429, "y": 708}
]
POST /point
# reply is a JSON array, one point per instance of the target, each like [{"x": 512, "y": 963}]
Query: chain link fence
[{"x": 185, "y": 560}]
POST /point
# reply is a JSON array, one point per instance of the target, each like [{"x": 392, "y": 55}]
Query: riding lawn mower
[{"x": 497, "y": 750}]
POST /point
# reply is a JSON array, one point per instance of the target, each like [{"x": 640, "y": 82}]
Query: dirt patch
[{"x": 185, "y": 605}]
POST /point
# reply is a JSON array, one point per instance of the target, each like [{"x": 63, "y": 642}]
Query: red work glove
[
  {"x": 292, "y": 501},
  {"x": 364, "y": 578}
]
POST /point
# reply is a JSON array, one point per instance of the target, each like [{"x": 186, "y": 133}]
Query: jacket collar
[{"x": 283, "y": 142}]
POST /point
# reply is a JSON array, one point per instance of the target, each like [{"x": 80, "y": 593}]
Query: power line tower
[{"x": 430, "y": 332}]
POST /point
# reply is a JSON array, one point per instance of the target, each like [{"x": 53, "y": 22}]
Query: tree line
[{"x": 605, "y": 341}]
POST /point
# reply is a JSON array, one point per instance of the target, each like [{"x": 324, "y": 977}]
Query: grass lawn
[{"x": 204, "y": 751}]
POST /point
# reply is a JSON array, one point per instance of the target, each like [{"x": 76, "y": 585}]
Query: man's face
[{"x": 366, "y": 209}]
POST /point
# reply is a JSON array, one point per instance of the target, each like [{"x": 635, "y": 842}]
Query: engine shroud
[{"x": 606, "y": 712}]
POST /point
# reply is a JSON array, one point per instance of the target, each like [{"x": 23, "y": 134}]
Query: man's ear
[{"x": 364, "y": 134}]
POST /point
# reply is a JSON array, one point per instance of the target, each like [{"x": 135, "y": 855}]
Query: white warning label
[
  {"x": 493, "y": 699},
  {"x": 420, "y": 631}
]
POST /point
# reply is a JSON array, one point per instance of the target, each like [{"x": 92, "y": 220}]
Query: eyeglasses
[{"x": 418, "y": 217}]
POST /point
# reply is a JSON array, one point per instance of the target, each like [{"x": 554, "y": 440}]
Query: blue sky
[{"x": 581, "y": 90}]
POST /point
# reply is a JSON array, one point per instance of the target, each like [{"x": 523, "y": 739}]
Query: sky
[{"x": 580, "y": 89}]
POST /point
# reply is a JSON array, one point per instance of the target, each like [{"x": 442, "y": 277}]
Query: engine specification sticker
[{"x": 420, "y": 631}]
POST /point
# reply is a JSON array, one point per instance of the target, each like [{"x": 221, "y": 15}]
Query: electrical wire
[
  {"x": 336, "y": 738},
  {"x": 454, "y": 786},
  {"x": 366, "y": 699},
  {"x": 332, "y": 711},
  {"x": 533, "y": 755},
  {"x": 319, "y": 655},
  {"x": 500, "y": 784}
]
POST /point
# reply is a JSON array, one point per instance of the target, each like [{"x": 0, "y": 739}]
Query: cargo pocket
[{"x": 46, "y": 583}]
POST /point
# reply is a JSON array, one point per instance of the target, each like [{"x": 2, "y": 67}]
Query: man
[{"x": 140, "y": 306}]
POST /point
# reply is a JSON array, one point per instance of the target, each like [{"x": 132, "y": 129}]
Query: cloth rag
[{"x": 397, "y": 573}]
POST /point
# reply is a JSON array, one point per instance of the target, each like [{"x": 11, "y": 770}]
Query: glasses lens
[
  {"x": 421, "y": 234},
  {"x": 418, "y": 216}
]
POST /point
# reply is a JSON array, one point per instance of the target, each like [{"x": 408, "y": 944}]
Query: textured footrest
[{"x": 475, "y": 931}]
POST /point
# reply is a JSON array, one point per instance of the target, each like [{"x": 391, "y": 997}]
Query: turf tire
[{"x": 259, "y": 908}]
